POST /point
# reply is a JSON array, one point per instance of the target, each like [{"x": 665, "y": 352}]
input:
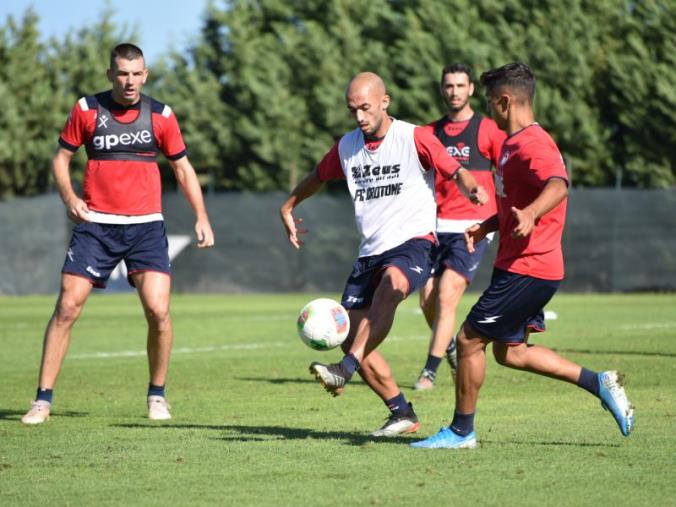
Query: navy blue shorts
[
  {"x": 412, "y": 258},
  {"x": 451, "y": 253},
  {"x": 511, "y": 306},
  {"x": 95, "y": 250}
]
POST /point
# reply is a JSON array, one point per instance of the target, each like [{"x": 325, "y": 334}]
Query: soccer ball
[{"x": 323, "y": 324}]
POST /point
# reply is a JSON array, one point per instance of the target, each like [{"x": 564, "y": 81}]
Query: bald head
[
  {"x": 366, "y": 83},
  {"x": 367, "y": 101}
]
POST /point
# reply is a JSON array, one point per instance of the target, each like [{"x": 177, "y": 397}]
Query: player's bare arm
[
  {"x": 476, "y": 232},
  {"x": 468, "y": 186},
  {"x": 187, "y": 180},
  {"x": 554, "y": 191},
  {"x": 308, "y": 186},
  {"x": 75, "y": 207}
]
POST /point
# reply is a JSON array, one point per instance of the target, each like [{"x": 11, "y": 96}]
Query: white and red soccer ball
[{"x": 323, "y": 324}]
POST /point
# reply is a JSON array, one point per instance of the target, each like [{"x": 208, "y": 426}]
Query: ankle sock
[
  {"x": 463, "y": 424},
  {"x": 154, "y": 390},
  {"x": 398, "y": 405},
  {"x": 589, "y": 380},
  {"x": 432, "y": 363},
  {"x": 349, "y": 364},
  {"x": 44, "y": 395}
]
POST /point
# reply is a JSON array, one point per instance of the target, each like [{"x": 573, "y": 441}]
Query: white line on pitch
[
  {"x": 658, "y": 325},
  {"x": 179, "y": 350},
  {"x": 213, "y": 348}
]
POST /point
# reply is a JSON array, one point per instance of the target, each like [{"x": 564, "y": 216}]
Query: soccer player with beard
[
  {"x": 389, "y": 167},
  {"x": 532, "y": 190},
  {"x": 475, "y": 142}
]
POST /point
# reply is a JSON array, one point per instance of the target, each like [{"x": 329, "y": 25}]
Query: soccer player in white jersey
[{"x": 389, "y": 166}]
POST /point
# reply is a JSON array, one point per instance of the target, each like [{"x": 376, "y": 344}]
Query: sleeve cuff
[
  {"x": 178, "y": 155},
  {"x": 68, "y": 146}
]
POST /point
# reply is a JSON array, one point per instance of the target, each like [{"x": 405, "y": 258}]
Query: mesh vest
[
  {"x": 393, "y": 194},
  {"x": 113, "y": 140},
  {"x": 465, "y": 146}
]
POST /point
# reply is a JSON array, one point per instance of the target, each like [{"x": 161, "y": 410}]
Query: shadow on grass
[
  {"x": 552, "y": 443},
  {"x": 291, "y": 380},
  {"x": 263, "y": 433},
  {"x": 15, "y": 415},
  {"x": 614, "y": 352}
]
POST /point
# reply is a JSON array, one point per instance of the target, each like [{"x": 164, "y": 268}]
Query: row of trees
[{"x": 260, "y": 93}]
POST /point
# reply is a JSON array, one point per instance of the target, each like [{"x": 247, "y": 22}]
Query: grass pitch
[{"x": 251, "y": 426}]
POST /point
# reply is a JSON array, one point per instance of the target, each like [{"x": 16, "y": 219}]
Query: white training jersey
[{"x": 393, "y": 194}]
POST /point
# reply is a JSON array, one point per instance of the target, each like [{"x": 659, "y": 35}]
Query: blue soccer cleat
[
  {"x": 614, "y": 399},
  {"x": 446, "y": 438}
]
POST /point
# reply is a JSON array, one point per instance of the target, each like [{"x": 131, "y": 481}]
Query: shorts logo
[
  {"x": 353, "y": 299},
  {"x": 417, "y": 269},
  {"x": 489, "y": 320},
  {"x": 69, "y": 253},
  {"x": 93, "y": 272}
]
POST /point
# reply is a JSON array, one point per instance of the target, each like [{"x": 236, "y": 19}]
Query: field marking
[
  {"x": 212, "y": 348},
  {"x": 659, "y": 325},
  {"x": 179, "y": 350}
]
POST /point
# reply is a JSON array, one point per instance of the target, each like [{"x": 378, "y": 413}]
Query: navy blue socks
[
  {"x": 462, "y": 424},
  {"x": 349, "y": 364},
  {"x": 432, "y": 363},
  {"x": 154, "y": 390},
  {"x": 44, "y": 395},
  {"x": 398, "y": 405},
  {"x": 589, "y": 380}
]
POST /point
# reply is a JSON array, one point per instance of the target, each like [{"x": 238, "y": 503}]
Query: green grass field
[{"x": 252, "y": 427}]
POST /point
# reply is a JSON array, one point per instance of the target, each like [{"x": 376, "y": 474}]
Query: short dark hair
[
  {"x": 516, "y": 76},
  {"x": 125, "y": 50},
  {"x": 454, "y": 68}
]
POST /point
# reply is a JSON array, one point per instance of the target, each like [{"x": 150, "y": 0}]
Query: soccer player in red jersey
[
  {"x": 532, "y": 189},
  {"x": 475, "y": 142},
  {"x": 119, "y": 217},
  {"x": 386, "y": 164}
]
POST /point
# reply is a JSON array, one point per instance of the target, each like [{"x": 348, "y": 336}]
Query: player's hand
[
  {"x": 293, "y": 230},
  {"x": 205, "y": 236},
  {"x": 77, "y": 210},
  {"x": 473, "y": 234},
  {"x": 525, "y": 222},
  {"x": 478, "y": 195}
]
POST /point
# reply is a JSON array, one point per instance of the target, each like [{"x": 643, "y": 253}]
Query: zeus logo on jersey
[
  {"x": 127, "y": 139},
  {"x": 367, "y": 170},
  {"x": 366, "y": 194}
]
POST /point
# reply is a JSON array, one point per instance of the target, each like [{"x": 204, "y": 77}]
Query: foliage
[{"x": 259, "y": 94}]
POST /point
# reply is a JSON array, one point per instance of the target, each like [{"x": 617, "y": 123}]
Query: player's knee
[
  {"x": 507, "y": 356},
  {"x": 157, "y": 314},
  {"x": 393, "y": 288},
  {"x": 67, "y": 311}
]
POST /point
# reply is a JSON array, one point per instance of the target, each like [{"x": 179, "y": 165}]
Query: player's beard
[{"x": 456, "y": 109}]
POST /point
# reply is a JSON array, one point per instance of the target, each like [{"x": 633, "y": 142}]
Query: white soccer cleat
[
  {"x": 158, "y": 408},
  {"x": 38, "y": 413}
]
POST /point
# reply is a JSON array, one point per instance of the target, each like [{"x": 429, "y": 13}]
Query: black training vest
[
  {"x": 113, "y": 140},
  {"x": 465, "y": 146}
]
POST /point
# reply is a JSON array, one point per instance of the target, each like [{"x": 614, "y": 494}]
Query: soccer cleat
[
  {"x": 158, "y": 408},
  {"x": 38, "y": 413},
  {"x": 452, "y": 358},
  {"x": 398, "y": 425},
  {"x": 425, "y": 380},
  {"x": 331, "y": 376},
  {"x": 614, "y": 399},
  {"x": 446, "y": 438}
]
